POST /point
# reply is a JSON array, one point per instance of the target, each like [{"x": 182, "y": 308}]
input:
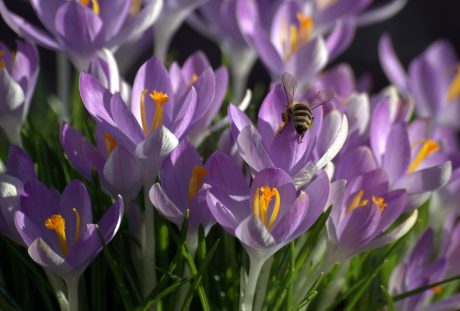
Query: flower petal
[
  {"x": 391, "y": 64},
  {"x": 165, "y": 206},
  {"x": 252, "y": 149},
  {"x": 428, "y": 179}
]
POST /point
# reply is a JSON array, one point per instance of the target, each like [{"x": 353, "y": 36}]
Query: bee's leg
[
  {"x": 280, "y": 128},
  {"x": 300, "y": 139}
]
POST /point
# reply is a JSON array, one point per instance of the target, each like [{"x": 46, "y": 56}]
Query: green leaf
[{"x": 388, "y": 298}]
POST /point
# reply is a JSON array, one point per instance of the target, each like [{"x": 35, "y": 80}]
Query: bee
[{"x": 299, "y": 112}]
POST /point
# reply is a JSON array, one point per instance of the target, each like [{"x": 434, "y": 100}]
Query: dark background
[{"x": 412, "y": 30}]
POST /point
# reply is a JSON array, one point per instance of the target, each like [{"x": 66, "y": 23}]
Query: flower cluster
[{"x": 323, "y": 174}]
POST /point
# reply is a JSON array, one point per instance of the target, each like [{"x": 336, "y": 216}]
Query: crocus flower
[
  {"x": 197, "y": 68},
  {"x": 265, "y": 215},
  {"x": 433, "y": 80},
  {"x": 264, "y": 147},
  {"x": 59, "y": 232},
  {"x": 82, "y": 28},
  {"x": 19, "y": 169},
  {"x": 182, "y": 176},
  {"x": 363, "y": 209},
  {"x": 419, "y": 269},
  {"x": 172, "y": 16},
  {"x": 293, "y": 41},
  {"x": 18, "y": 76}
]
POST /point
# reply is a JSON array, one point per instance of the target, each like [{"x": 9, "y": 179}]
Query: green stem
[
  {"x": 148, "y": 244},
  {"x": 63, "y": 85},
  {"x": 72, "y": 293},
  {"x": 58, "y": 287},
  {"x": 255, "y": 265}
]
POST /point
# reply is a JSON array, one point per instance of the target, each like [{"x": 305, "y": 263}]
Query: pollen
[
  {"x": 2, "y": 61},
  {"x": 193, "y": 80},
  {"x": 135, "y": 7},
  {"x": 77, "y": 224},
  {"x": 454, "y": 87},
  {"x": 94, "y": 3},
  {"x": 261, "y": 203},
  {"x": 196, "y": 180},
  {"x": 429, "y": 147},
  {"x": 159, "y": 98},
  {"x": 110, "y": 143},
  {"x": 380, "y": 202},
  {"x": 57, "y": 224},
  {"x": 357, "y": 201},
  {"x": 299, "y": 35}
]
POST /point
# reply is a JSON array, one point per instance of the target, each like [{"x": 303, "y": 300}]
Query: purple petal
[
  {"x": 340, "y": 37},
  {"x": 113, "y": 15},
  {"x": 200, "y": 214},
  {"x": 391, "y": 64},
  {"x": 309, "y": 60},
  {"x": 196, "y": 63},
  {"x": 424, "y": 180},
  {"x": 19, "y": 164},
  {"x": 96, "y": 98},
  {"x": 45, "y": 256},
  {"x": 83, "y": 156},
  {"x": 318, "y": 193},
  {"x": 225, "y": 175},
  {"x": 205, "y": 88},
  {"x": 184, "y": 117},
  {"x": 397, "y": 156},
  {"x": 165, "y": 206},
  {"x": 176, "y": 171},
  {"x": 229, "y": 217},
  {"x": 270, "y": 112},
  {"x": 339, "y": 79},
  {"x": 253, "y": 233},
  {"x": 380, "y": 129},
  {"x": 363, "y": 160},
  {"x": 125, "y": 120},
  {"x": 46, "y": 12},
  {"x": 396, "y": 204},
  {"x": 25, "y": 70},
  {"x": 290, "y": 226},
  {"x": 238, "y": 120},
  {"x": 252, "y": 149}
]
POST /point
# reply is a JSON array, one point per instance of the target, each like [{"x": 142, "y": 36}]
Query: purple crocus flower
[
  {"x": 363, "y": 209},
  {"x": 264, "y": 147},
  {"x": 19, "y": 169},
  {"x": 265, "y": 215},
  {"x": 59, "y": 232},
  {"x": 18, "y": 76},
  {"x": 82, "y": 28},
  {"x": 413, "y": 157},
  {"x": 419, "y": 269},
  {"x": 182, "y": 176},
  {"x": 433, "y": 80},
  {"x": 293, "y": 40},
  {"x": 212, "y": 86}
]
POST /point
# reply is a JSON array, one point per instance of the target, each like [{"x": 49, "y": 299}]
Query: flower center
[
  {"x": 110, "y": 143},
  {"x": 193, "y": 80},
  {"x": 454, "y": 87},
  {"x": 429, "y": 147},
  {"x": 57, "y": 223},
  {"x": 299, "y": 35},
  {"x": 196, "y": 180},
  {"x": 380, "y": 202},
  {"x": 261, "y": 203},
  {"x": 135, "y": 7},
  {"x": 357, "y": 202},
  {"x": 94, "y": 4},
  {"x": 159, "y": 98}
]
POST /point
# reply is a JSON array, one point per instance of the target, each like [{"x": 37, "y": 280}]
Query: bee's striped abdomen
[{"x": 302, "y": 117}]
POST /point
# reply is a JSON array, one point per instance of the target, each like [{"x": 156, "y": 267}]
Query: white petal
[{"x": 336, "y": 145}]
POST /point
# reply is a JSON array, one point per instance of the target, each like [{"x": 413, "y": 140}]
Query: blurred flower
[
  {"x": 182, "y": 176},
  {"x": 19, "y": 169},
  {"x": 265, "y": 147},
  {"x": 363, "y": 209},
  {"x": 293, "y": 41},
  {"x": 82, "y": 28},
  {"x": 419, "y": 269},
  {"x": 18, "y": 76},
  {"x": 433, "y": 80},
  {"x": 58, "y": 230}
]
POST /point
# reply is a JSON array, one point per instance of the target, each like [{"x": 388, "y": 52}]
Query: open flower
[
  {"x": 363, "y": 209},
  {"x": 18, "y": 75},
  {"x": 59, "y": 230},
  {"x": 291, "y": 41},
  {"x": 19, "y": 169},
  {"x": 264, "y": 147},
  {"x": 82, "y": 28},
  {"x": 433, "y": 80},
  {"x": 267, "y": 214},
  {"x": 182, "y": 176}
]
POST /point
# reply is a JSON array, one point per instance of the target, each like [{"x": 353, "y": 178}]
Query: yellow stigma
[
  {"x": 159, "y": 98},
  {"x": 77, "y": 224},
  {"x": 196, "y": 180},
  {"x": 57, "y": 224},
  {"x": 2, "y": 61},
  {"x": 261, "y": 203},
  {"x": 135, "y": 7},
  {"x": 429, "y": 147},
  {"x": 110, "y": 143},
  {"x": 380, "y": 202},
  {"x": 357, "y": 202},
  {"x": 454, "y": 87},
  {"x": 94, "y": 3},
  {"x": 299, "y": 35}
]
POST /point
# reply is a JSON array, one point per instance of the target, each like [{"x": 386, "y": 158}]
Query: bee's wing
[
  {"x": 289, "y": 85},
  {"x": 321, "y": 98}
]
